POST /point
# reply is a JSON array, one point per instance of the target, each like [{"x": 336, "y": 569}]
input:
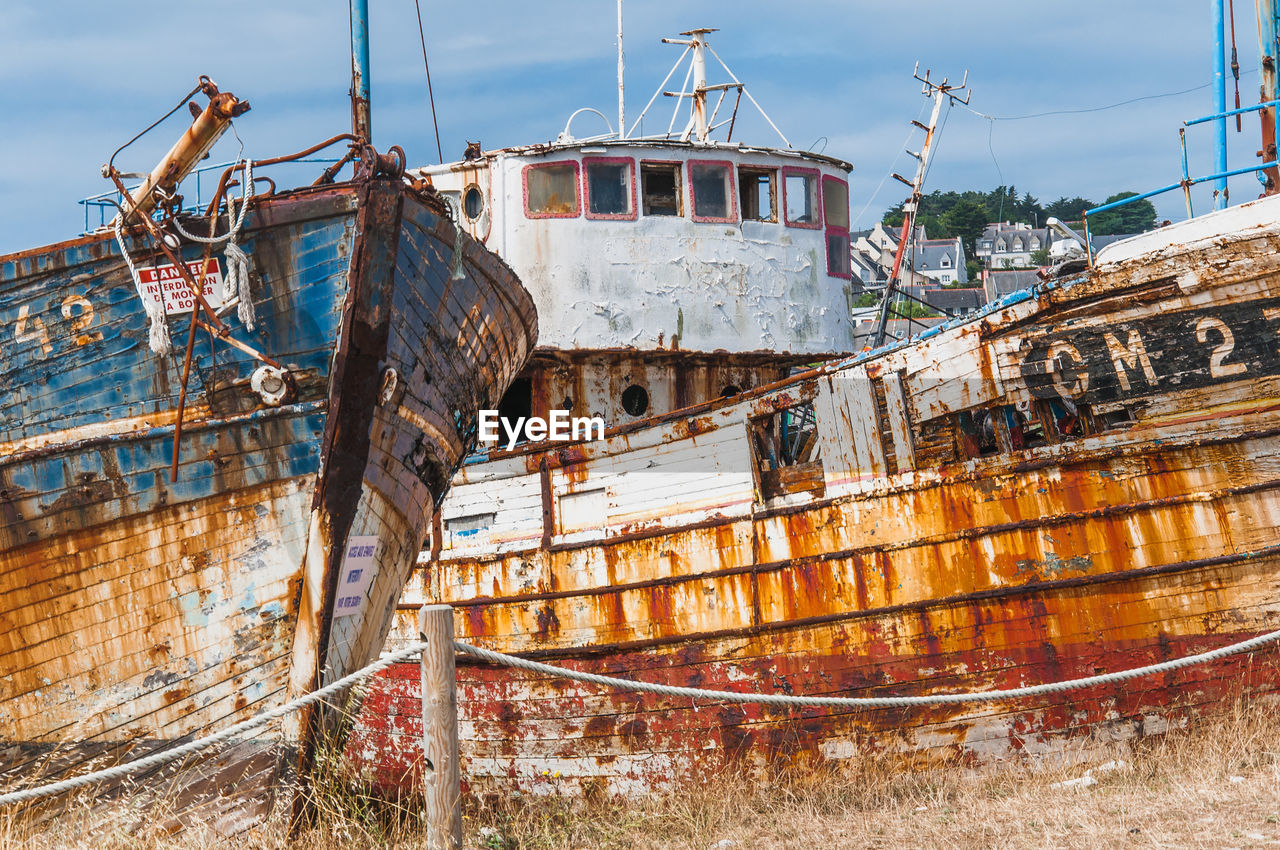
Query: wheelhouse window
[
  {"x": 758, "y": 194},
  {"x": 551, "y": 190},
  {"x": 800, "y": 194},
  {"x": 660, "y": 188},
  {"x": 611, "y": 187},
  {"x": 711, "y": 184},
  {"x": 835, "y": 210}
]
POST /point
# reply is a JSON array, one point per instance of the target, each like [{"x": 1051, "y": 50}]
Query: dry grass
[{"x": 1217, "y": 785}]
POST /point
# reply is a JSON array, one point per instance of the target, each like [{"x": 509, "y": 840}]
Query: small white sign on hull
[{"x": 357, "y": 573}]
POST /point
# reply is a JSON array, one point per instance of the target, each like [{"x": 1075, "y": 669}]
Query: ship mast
[
  {"x": 622, "y": 101},
  {"x": 938, "y": 92},
  {"x": 361, "y": 125}
]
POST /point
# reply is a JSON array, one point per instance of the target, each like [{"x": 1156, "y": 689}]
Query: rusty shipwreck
[
  {"x": 188, "y": 540},
  {"x": 1079, "y": 478}
]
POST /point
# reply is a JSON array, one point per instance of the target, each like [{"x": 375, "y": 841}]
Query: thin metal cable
[
  {"x": 901, "y": 149},
  {"x": 421, "y": 37},
  {"x": 156, "y": 123},
  {"x": 1085, "y": 108}
]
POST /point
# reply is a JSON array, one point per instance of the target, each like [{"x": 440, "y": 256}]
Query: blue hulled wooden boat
[{"x": 188, "y": 540}]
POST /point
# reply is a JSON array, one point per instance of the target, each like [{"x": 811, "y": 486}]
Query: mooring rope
[
  {"x": 784, "y": 700},
  {"x": 157, "y": 759},
  {"x": 779, "y": 700}
]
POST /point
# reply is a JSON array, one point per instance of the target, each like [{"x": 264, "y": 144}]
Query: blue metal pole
[
  {"x": 360, "y": 119},
  {"x": 1220, "y": 103},
  {"x": 1257, "y": 106}
]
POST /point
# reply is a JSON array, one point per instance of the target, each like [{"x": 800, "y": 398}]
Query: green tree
[
  {"x": 867, "y": 299},
  {"x": 1130, "y": 218},
  {"x": 967, "y": 219},
  {"x": 1068, "y": 209},
  {"x": 1040, "y": 257}
]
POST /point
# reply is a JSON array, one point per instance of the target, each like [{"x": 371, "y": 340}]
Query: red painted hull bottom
[{"x": 528, "y": 733}]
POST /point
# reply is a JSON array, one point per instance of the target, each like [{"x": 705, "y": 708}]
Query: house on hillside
[
  {"x": 1005, "y": 245},
  {"x": 878, "y": 243},
  {"x": 873, "y": 250},
  {"x": 948, "y": 302},
  {"x": 867, "y": 272},
  {"x": 955, "y": 301},
  {"x": 942, "y": 261}
]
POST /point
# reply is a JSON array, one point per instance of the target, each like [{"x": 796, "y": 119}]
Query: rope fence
[
  {"x": 488, "y": 655},
  {"x": 158, "y": 759},
  {"x": 786, "y": 701}
]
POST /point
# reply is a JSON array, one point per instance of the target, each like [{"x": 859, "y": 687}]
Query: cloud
[{"x": 76, "y": 80}]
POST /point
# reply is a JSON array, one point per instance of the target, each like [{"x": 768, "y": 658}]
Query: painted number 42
[{"x": 75, "y": 308}]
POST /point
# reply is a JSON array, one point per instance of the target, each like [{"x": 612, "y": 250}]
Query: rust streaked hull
[
  {"x": 1079, "y": 480},
  {"x": 137, "y": 611}
]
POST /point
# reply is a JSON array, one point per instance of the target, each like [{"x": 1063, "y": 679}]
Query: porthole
[
  {"x": 729, "y": 391},
  {"x": 635, "y": 400},
  {"x": 472, "y": 202}
]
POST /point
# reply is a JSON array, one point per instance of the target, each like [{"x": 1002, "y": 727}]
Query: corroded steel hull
[
  {"x": 1082, "y": 479},
  {"x": 136, "y": 610}
]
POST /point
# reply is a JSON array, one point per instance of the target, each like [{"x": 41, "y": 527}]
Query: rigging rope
[
  {"x": 236, "y": 283},
  {"x": 158, "y": 336},
  {"x": 421, "y": 37}
]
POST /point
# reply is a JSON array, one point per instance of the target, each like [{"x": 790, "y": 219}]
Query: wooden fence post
[{"x": 442, "y": 783}]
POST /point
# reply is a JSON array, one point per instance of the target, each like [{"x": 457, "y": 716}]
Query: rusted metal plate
[{"x": 1081, "y": 479}]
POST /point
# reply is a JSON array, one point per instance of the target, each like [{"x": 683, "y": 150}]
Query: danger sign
[{"x": 166, "y": 284}]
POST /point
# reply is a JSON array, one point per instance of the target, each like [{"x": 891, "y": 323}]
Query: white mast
[
  {"x": 622, "y": 110},
  {"x": 700, "y": 80}
]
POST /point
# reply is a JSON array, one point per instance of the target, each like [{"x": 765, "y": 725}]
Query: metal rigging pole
[{"x": 939, "y": 92}]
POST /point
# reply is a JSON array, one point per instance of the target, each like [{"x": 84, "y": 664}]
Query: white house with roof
[
  {"x": 873, "y": 250},
  {"x": 1005, "y": 245},
  {"x": 942, "y": 261}
]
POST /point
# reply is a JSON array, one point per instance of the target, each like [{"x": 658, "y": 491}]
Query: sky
[{"x": 79, "y": 79}]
